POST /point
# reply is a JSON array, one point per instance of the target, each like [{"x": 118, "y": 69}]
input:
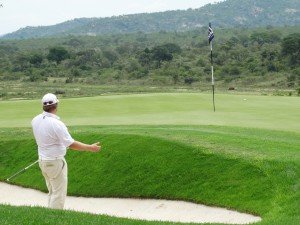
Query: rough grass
[{"x": 251, "y": 170}]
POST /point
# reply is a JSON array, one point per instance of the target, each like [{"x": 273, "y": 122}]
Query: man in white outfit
[{"x": 53, "y": 139}]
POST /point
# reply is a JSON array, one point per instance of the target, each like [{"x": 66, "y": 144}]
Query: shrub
[
  {"x": 59, "y": 92},
  {"x": 189, "y": 80},
  {"x": 36, "y": 59},
  {"x": 58, "y": 54}
]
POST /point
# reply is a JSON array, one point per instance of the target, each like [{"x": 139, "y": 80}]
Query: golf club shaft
[{"x": 21, "y": 171}]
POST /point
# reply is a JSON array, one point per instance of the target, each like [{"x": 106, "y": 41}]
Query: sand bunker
[{"x": 146, "y": 209}]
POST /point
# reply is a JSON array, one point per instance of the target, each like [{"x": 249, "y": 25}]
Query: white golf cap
[{"x": 49, "y": 99}]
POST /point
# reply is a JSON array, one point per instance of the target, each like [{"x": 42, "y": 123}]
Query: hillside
[{"x": 230, "y": 13}]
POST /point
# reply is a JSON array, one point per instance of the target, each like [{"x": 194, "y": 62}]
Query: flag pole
[
  {"x": 210, "y": 39},
  {"x": 212, "y": 75}
]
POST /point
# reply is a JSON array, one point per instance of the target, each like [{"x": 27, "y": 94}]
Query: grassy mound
[{"x": 251, "y": 170}]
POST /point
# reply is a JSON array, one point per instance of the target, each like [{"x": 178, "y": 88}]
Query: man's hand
[{"x": 95, "y": 147}]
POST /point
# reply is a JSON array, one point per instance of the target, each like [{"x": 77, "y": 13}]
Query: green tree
[
  {"x": 291, "y": 47},
  {"x": 111, "y": 56},
  {"x": 21, "y": 62},
  {"x": 145, "y": 58},
  {"x": 58, "y": 54},
  {"x": 265, "y": 37},
  {"x": 36, "y": 59},
  {"x": 172, "y": 48},
  {"x": 160, "y": 54}
]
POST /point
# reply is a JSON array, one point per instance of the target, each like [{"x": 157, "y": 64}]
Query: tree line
[{"x": 158, "y": 58}]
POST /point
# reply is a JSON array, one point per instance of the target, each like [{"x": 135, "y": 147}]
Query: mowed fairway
[
  {"x": 271, "y": 112},
  {"x": 245, "y": 156}
]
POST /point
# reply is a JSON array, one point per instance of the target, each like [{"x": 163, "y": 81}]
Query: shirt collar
[{"x": 50, "y": 115}]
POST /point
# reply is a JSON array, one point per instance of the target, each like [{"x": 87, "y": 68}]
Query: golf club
[{"x": 21, "y": 171}]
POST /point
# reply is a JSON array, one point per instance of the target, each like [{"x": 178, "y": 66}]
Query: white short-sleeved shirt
[{"x": 51, "y": 135}]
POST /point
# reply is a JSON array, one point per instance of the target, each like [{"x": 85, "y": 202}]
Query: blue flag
[{"x": 210, "y": 33}]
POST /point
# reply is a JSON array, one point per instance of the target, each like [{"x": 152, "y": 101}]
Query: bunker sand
[{"x": 142, "y": 209}]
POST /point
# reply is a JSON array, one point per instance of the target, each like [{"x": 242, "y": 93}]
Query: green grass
[
  {"x": 253, "y": 170},
  {"x": 151, "y": 162},
  {"x": 38, "y": 216},
  {"x": 279, "y": 113}
]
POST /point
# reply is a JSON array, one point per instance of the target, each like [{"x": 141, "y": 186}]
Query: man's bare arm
[{"x": 79, "y": 146}]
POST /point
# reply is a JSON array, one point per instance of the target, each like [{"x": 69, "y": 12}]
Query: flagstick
[{"x": 212, "y": 75}]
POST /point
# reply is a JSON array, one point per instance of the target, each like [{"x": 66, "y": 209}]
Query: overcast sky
[{"x": 15, "y": 14}]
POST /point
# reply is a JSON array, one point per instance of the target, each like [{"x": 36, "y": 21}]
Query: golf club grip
[{"x": 30, "y": 165}]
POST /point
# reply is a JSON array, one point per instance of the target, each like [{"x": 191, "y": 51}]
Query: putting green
[{"x": 270, "y": 112}]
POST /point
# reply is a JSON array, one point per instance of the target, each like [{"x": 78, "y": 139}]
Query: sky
[{"x": 16, "y": 14}]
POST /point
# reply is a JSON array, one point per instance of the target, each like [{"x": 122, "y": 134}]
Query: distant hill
[{"x": 230, "y": 13}]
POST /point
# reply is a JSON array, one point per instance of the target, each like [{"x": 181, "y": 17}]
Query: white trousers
[{"x": 55, "y": 173}]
